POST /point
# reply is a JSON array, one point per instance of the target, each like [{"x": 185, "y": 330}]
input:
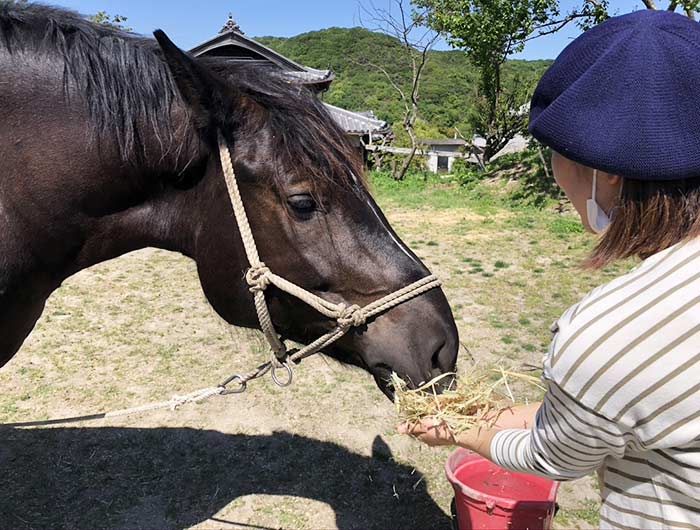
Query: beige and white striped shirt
[{"x": 623, "y": 373}]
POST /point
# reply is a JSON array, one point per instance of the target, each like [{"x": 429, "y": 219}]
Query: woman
[{"x": 620, "y": 108}]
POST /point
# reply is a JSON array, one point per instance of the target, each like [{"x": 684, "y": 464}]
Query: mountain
[{"x": 447, "y": 91}]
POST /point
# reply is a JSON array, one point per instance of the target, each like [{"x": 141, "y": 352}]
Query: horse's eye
[{"x": 303, "y": 203}]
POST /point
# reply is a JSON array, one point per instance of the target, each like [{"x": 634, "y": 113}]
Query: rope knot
[
  {"x": 257, "y": 277},
  {"x": 352, "y": 316}
]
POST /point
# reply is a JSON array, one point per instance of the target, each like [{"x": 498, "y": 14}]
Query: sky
[{"x": 190, "y": 23}]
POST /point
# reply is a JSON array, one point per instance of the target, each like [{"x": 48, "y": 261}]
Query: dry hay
[{"x": 476, "y": 398}]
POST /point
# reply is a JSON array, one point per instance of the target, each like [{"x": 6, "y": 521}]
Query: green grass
[
  {"x": 419, "y": 191},
  {"x": 589, "y": 512}
]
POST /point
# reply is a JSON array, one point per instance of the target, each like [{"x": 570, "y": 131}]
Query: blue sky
[{"x": 190, "y": 23}]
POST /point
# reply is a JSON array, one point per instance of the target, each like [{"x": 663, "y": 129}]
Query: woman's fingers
[{"x": 429, "y": 431}]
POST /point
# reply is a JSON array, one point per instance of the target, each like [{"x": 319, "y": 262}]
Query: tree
[
  {"x": 490, "y": 31},
  {"x": 114, "y": 21},
  {"x": 691, "y": 7},
  {"x": 415, "y": 41}
]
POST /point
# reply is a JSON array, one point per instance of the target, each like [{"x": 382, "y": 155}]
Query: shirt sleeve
[{"x": 568, "y": 441}]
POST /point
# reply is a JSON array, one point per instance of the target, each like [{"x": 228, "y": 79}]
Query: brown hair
[{"x": 650, "y": 216}]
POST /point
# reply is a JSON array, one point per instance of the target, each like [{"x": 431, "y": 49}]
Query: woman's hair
[{"x": 650, "y": 216}]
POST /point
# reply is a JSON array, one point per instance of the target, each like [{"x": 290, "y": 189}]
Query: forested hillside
[{"x": 448, "y": 88}]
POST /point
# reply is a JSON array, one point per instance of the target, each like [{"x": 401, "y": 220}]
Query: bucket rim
[{"x": 460, "y": 455}]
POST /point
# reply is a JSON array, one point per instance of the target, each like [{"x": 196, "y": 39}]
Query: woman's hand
[
  {"x": 430, "y": 431},
  {"x": 436, "y": 433}
]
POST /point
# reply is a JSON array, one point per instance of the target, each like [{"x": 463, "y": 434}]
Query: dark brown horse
[{"x": 108, "y": 144}]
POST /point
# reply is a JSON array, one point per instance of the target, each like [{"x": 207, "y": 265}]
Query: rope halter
[{"x": 259, "y": 277}]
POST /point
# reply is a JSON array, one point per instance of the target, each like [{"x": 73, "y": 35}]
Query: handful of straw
[{"x": 476, "y": 398}]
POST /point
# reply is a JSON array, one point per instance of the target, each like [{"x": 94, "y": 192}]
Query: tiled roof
[
  {"x": 446, "y": 141},
  {"x": 310, "y": 75},
  {"x": 232, "y": 38},
  {"x": 357, "y": 123},
  {"x": 235, "y": 38}
]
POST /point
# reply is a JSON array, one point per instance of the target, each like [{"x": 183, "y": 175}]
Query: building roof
[
  {"x": 445, "y": 141},
  {"x": 232, "y": 44},
  {"x": 358, "y": 123}
]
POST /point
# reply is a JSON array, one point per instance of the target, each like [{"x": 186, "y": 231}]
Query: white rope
[{"x": 173, "y": 403}]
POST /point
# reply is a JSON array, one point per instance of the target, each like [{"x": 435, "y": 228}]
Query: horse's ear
[{"x": 198, "y": 86}]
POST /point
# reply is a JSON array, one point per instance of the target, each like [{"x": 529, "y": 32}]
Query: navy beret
[{"x": 624, "y": 98}]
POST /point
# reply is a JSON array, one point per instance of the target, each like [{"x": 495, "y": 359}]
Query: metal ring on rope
[{"x": 290, "y": 375}]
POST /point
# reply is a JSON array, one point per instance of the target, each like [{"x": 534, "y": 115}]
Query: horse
[{"x": 109, "y": 144}]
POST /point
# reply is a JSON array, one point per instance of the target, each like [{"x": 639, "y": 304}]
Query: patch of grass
[
  {"x": 589, "y": 513},
  {"x": 501, "y": 264},
  {"x": 508, "y": 339},
  {"x": 563, "y": 225}
]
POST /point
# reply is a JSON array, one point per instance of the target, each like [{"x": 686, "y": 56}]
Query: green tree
[
  {"x": 490, "y": 31},
  {"x": 114, "y": 21},
  {"x": 414, "y": 43},
  {"x": 691, "y": 7}
]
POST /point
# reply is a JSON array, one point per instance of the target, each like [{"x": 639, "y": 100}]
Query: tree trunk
[
  {"x": 406, "y": 164},
  {"x": 409, "y": 123}
]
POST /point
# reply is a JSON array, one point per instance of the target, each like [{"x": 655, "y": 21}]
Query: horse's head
[{"x": 314, "y": 223}]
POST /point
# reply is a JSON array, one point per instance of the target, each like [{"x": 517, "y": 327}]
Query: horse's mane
[{"x": 127, "y": 86}]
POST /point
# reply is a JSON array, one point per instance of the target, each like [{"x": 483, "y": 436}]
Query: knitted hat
[{"x": 624, "y": 97}]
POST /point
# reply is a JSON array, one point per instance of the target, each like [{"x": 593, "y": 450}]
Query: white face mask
[{"x": 598, "y": 220}]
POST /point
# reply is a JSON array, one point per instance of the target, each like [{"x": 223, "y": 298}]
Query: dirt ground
[{"x": 322, "y": 454}]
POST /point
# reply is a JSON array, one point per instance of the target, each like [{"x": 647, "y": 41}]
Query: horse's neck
[
  {"x": 165, "y": 219},
  {"x": 67, "y": 203}
]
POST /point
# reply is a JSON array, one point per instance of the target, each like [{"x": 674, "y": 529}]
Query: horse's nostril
[
  {"x": 443, "y": 362},
  {"x": 435, "y": 360}
]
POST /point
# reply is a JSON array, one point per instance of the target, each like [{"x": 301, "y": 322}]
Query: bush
[{"x": 466, "y": 173}]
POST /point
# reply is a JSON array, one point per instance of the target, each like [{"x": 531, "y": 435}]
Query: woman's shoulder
[
  {"x": 654, "y": 281},
  {"x": 629, "y": 334}
]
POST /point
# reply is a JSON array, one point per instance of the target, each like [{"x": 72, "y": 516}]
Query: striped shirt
[{"x": 623, "y": 376}]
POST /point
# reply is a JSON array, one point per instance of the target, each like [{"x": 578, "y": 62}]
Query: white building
[{"x": 441, "y": 154}]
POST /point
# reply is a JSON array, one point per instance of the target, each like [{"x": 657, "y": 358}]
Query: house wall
[{"x": 432, "y": 162}]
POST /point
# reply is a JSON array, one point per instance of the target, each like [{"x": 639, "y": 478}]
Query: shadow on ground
[{"x": 174, "y": 478}]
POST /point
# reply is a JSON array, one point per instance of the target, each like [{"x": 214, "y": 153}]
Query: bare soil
[{"x": 321, "y": 454}]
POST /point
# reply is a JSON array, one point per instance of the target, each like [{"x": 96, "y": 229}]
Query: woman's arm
[
  {"x": 436, "y": 433},
  {"x": 566, "y": 440}
]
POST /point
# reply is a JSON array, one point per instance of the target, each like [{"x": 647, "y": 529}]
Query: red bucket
[{"x": 488, "y": 497}]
